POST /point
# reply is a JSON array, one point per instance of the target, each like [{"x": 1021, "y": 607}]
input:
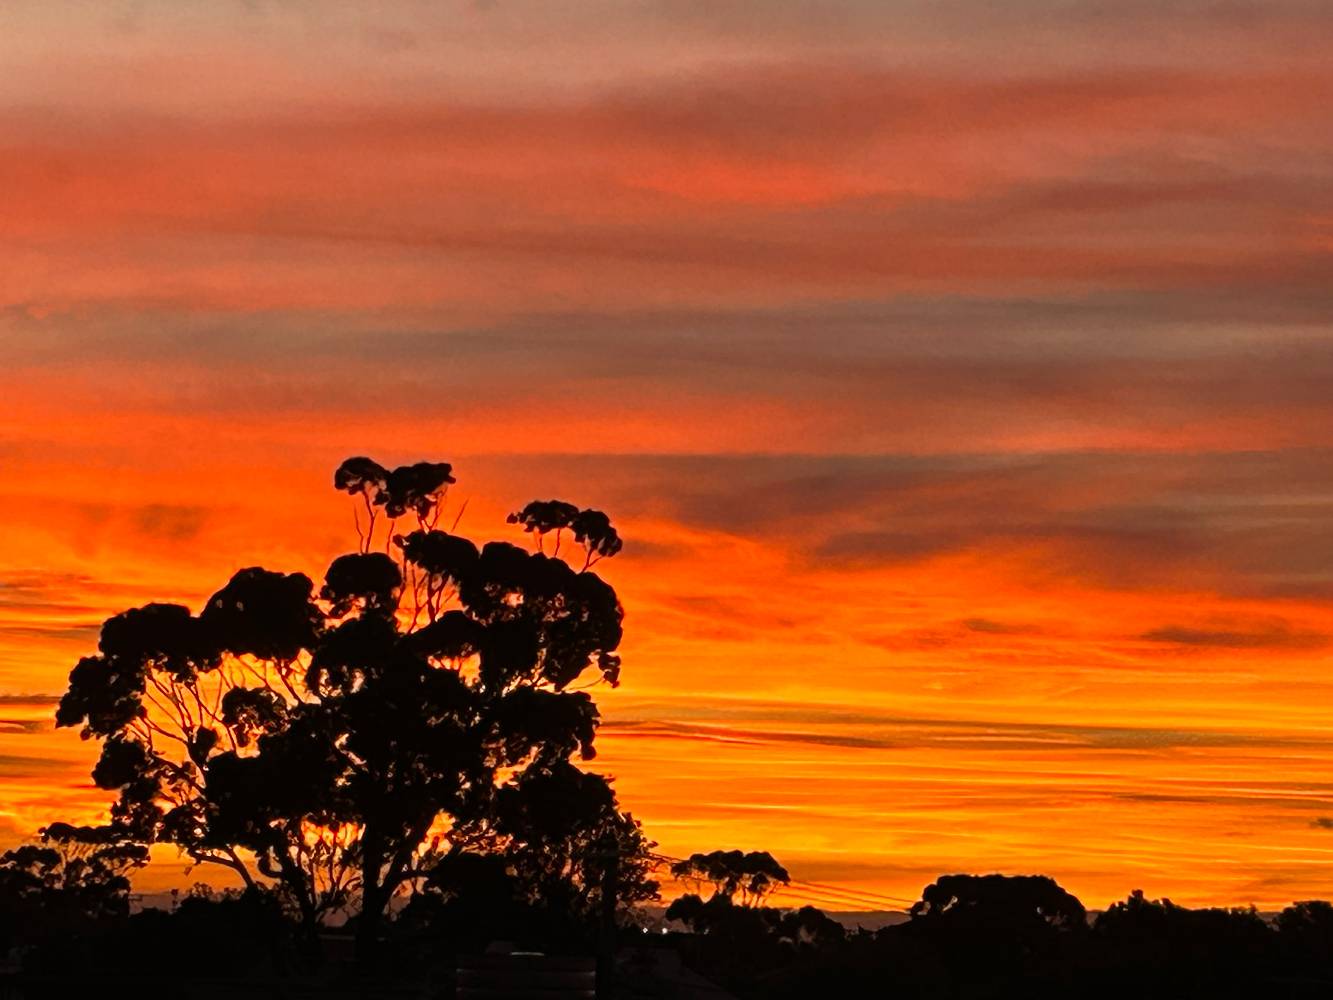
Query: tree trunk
[
  {"x": 308, "y": 944},
  {"x": 606, "y": 937},
  {"x": 368, "y": 923}
]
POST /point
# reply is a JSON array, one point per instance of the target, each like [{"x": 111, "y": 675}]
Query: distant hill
[{"x": 870, "y": 920}]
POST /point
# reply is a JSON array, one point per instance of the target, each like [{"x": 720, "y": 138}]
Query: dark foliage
[
  {"x": 1020, "y": 904},
  {"x": 591, "y": 528},
  {"x": 154, "y": 952},
  {"x": 335, "y": 748},
  {"x": 753, "y": 876},
  {"x": 975, "y": 937},
  {"x": 73, "y": 879}
]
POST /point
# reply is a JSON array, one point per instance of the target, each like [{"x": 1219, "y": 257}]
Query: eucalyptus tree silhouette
[
  {"x": 338, "y": 744},
  {"x": 1214, "y": 951},
  {"x": 74, "y": 878},
  {"x": 743, "y": 923},
  {"x": 988, "y": 929},
  {"x": 753, "y": 875},
  {"x": 1306, "y": 928},
  {"x": 540, "y": 881},
  {"x": 1017, "y": 903}
]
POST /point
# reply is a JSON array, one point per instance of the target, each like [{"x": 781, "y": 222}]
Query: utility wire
[{"x": 820, "y": 891}]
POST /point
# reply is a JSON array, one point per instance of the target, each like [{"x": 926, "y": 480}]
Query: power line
[
  {"x": 818, "y": 891},
  {"x": 845, "y": 902},
  {"x": 866, "y": 893},
  {"x": 822, "y": 901},
  {"x": 843, "y": 896},
  {"x": 861, "y": 895}
]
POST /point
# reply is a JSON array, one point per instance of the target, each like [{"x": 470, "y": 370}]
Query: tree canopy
[
  {"x": 1017, "y": 902},
  {"x": 751, "y": 875},
  {"x": 338, "y": 742}
]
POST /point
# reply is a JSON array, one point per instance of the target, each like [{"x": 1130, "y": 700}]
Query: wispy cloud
[{"x": 1274, "y": 635}]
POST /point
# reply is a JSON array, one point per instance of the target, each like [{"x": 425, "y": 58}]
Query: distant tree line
[
  {"x": 995, "y": 936},
  {"x": 64, "y": 909}
]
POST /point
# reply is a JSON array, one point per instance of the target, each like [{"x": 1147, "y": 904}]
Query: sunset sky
[{"x": 959, "y": 373}]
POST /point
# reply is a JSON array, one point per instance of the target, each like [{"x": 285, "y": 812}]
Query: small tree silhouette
[
  {"x": 72, "y": 879},
  {"x": 339, "y": 744},
  {"x": 753, "y": 875},
  {"x": 1018, "y": 903}
]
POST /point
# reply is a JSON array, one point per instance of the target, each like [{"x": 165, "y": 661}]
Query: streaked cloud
[{"x": 1272, "y": 635}]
